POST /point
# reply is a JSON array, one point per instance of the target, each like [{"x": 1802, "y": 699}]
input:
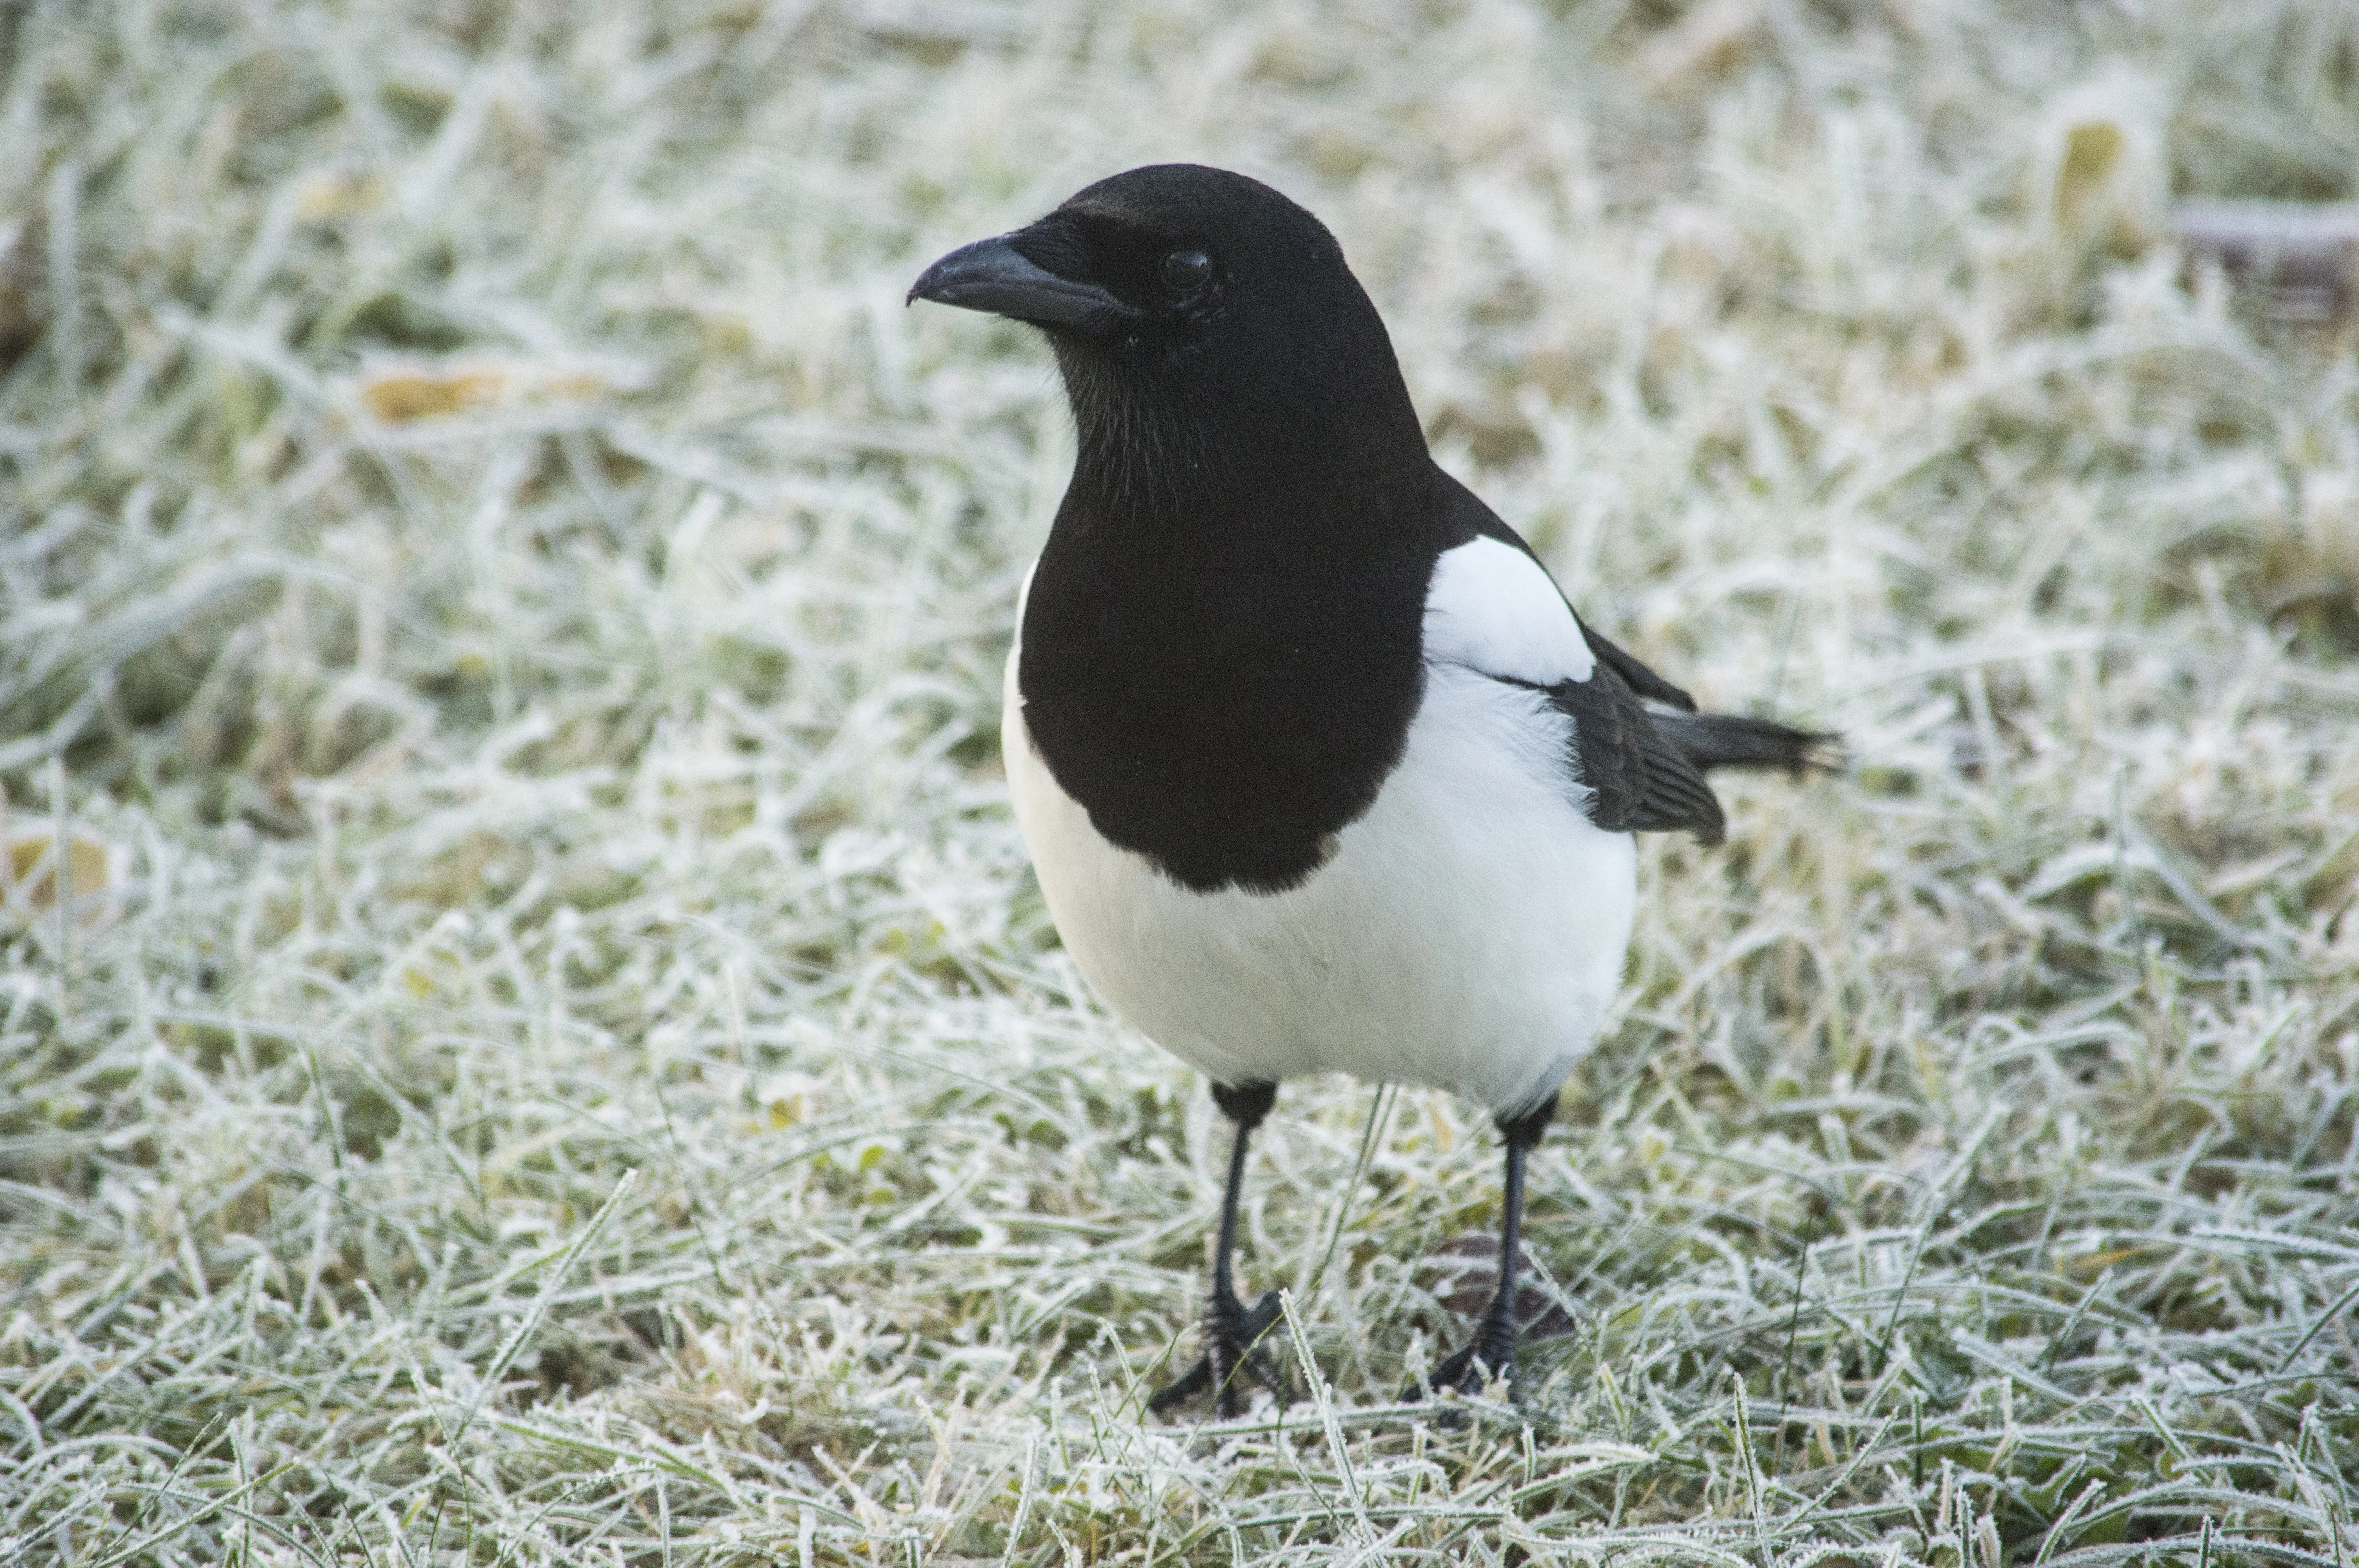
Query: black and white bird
[{"x": 1319, "y": 769}]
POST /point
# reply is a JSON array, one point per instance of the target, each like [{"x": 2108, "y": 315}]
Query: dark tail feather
[{"x": 1731, "y": 740}]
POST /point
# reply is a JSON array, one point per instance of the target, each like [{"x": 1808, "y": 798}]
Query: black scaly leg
[
  {"x": 1491, "y": 1351},
  {"x": 1230, "y": 1329}
]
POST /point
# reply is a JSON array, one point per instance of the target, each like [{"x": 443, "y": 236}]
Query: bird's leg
[
  {"x": 1490, "y": 1353},
  {"x": 1231, "y": 1328}
]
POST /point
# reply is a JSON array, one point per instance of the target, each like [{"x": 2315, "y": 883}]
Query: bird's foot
[
  {"x": 1490, "y": 1354},
  {"x": 1232, "y": 1336}
]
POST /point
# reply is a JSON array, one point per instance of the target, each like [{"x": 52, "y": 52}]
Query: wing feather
[{"x": 1491, "y": 607}]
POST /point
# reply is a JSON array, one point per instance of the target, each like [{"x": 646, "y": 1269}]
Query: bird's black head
[{"x": 1209, "y": 335}]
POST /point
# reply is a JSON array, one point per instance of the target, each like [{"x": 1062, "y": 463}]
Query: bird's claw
[
  {"x": 1491, "y": 1354},
  {"x": 1232, "y": 1336}
]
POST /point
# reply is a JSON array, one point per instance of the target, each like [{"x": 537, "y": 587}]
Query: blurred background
[{"x": 527, "y": 1033}]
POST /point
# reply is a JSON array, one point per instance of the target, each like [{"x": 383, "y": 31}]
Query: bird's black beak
[{"x": 994, "y": 276}]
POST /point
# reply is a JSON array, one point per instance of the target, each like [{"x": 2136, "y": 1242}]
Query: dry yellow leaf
[
  {"x": 32, "y": 875},
  {"x": 332, "y": 193},
  {"x": 405, "y": 395}
]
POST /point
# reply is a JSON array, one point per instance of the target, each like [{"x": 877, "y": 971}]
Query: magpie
[{"x": 1318, "y": 768}]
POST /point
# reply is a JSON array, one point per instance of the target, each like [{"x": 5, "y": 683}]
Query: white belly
[{"x": 1468, "y": 932}]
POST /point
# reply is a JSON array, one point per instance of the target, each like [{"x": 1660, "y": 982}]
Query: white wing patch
[{"x": 1492, "y": 609}]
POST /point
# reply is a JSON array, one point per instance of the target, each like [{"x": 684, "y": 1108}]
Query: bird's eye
[{"x": 1184, "y": 272}]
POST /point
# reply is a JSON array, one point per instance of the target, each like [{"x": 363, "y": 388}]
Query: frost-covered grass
[{"x": 554, "y": 1054}]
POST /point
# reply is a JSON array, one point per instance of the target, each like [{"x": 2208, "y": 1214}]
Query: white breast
[{"x": 1468, "y": 933}]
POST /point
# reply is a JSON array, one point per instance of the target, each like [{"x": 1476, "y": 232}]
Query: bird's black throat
[{"x": 1222, "y": 644}]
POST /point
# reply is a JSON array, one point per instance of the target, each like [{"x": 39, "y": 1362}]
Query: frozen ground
[{"x": 554, "y": 1057}]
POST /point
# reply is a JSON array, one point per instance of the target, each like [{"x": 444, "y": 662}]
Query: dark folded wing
[
  {"x": 1639, "y": 781},
  {"x": 1640, "y": 679},
  {"x": 1492, "y": 606}
]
